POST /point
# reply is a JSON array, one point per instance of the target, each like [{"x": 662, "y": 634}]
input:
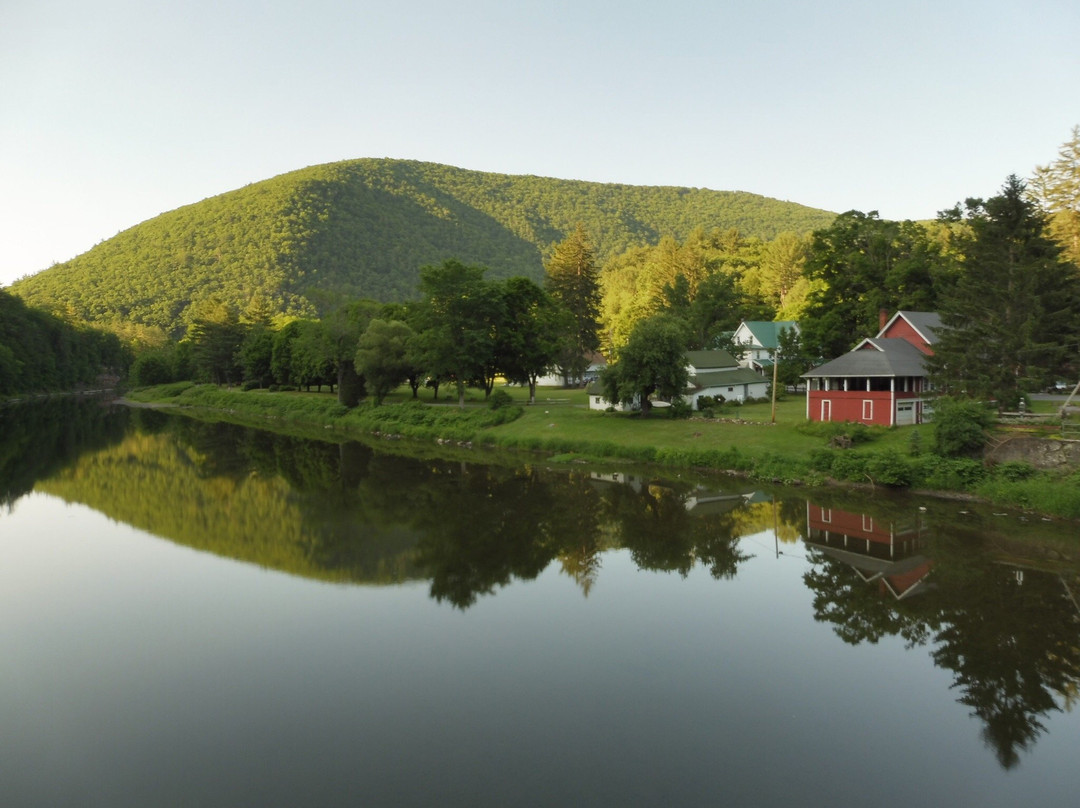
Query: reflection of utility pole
[{"x": 775, "y": 527}]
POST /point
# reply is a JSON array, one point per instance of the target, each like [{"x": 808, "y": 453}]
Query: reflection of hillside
[{"x": 173, "y": 490}]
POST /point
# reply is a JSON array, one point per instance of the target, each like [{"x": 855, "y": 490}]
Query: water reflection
[
  {"x": 1008, "y": 630},
  {"x": 996, "y": 611}
]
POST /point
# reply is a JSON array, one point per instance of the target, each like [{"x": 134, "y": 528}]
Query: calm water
[{"x": 199, "y": 614}]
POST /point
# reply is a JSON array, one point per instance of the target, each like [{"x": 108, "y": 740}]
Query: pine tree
[
  {"x": 572, "y": 279},
  {"x": 1013, "y": 317}
]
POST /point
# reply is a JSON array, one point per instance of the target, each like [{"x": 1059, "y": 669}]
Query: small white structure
[
  {"x": 598, "y": 402},
  {"x": 595, "y": 366}
]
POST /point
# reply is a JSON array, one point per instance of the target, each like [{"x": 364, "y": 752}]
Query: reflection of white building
[{"x": 700, "y": 501}]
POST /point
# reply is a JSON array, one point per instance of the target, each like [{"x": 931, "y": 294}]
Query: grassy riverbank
[{"x": 739, "y": 439}]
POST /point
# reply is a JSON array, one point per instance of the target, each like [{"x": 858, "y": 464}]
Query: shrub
[
  {"x": 958, "y": 427},
  {"x": 680, "y": 408},
  {"x": 1013, "y": 471},
  {"x": 948, "y": 473},
  {"x": 149, "y": 369},
  {"x": 889, "y": 468},
  {"x": 500, "y": 399},
  {"x": 831, "y": 430}
]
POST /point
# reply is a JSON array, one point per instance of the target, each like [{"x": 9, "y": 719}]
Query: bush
[
  {"x": 889, "y": 468},
  {"x": 951, "y": 474},
  {"x": 500, "y": 399},
  {"x": 149, "y": 369},
  {"x": 959, "y": 425},
  {"x": 832, "y": 430},
  {"x": 1013, "y": 471},
  {"x": 707, "y": 403},
  {"x": 680, "y": 408}
]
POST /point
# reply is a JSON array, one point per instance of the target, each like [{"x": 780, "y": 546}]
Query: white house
[
  {"x": 712, "y": 373},
  {"x": 595, "y": 366},
  {"x": 717, "y": 373},
  {"x": 758, "y": 340}
]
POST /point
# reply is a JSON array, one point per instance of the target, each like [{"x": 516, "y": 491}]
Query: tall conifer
[
  {"x": 572, "y": 279},
  {"x": 1013, "y": 318}
]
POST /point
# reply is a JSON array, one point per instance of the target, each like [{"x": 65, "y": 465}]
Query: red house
[{"x": 883, "y": 380}]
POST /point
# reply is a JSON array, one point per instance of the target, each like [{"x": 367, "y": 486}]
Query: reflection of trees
[
  {"x": 483, "y": 527},
  {"x": 858, "y": 612},
  {"x": 1013, "y": 646},
  {"x": 346, "y": 512},
  {"x": 655, "y": 526},
  {"x": 37, "y": 439},
  {"x": 1011, "y": 637}
]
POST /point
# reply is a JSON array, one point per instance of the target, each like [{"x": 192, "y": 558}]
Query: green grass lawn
[{"x": 565, "y": 414}]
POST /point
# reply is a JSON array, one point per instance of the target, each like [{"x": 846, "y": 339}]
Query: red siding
[
  {"x": 849, "y": 406},
  {"x": 901, "y": 329}
]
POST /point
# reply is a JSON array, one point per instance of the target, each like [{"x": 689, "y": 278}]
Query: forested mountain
[{"x": 363, "y": 228}]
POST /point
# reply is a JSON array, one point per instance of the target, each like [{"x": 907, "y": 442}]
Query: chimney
[{"x": 883, "y": 317}]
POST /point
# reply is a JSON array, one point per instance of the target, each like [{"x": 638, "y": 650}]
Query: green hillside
[{"x": 363, "y": 228}]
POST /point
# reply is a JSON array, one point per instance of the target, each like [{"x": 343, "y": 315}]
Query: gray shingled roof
[{"x": 887, "y": 357}]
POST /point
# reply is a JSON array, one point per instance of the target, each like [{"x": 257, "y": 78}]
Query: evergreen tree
[
  {"x": 572, "y": 279},
  {"x": 215, "y": 334},
  {"x": 1013, "y": 316}
]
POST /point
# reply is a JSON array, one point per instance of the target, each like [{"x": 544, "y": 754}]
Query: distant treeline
[
  {"x": 39, "y": 352},
  {"x": 362, "y": 229}
]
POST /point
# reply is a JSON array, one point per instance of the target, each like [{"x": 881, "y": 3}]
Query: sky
[{"x": 114, "y": 111}]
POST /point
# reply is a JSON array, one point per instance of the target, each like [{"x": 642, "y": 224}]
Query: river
[{"x": 202, "y": 614}]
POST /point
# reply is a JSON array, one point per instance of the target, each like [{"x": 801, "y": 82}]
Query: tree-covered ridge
[
  {"x": 42, "y": 353},
  {"x": 363, "y": 228}
]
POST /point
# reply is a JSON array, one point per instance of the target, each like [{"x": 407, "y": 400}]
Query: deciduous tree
[
  {"x": 653, "y": 361},
  {"x": 382, "y": 356},
  {"x": 1057, "y": 187}
]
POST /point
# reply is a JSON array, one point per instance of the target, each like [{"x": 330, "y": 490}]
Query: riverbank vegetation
[{"x": 739, "y": 438}]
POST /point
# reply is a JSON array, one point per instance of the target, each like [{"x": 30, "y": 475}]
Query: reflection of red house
[
  {"x": 883, "y": 380},
  {"x": 881, "y": 551}
]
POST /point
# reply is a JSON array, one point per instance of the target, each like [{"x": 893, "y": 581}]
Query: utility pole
[{"x": 775, "y": 362}]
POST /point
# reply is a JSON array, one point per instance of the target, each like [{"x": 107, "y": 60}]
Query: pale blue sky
[{"x": 114, "y": 111}]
